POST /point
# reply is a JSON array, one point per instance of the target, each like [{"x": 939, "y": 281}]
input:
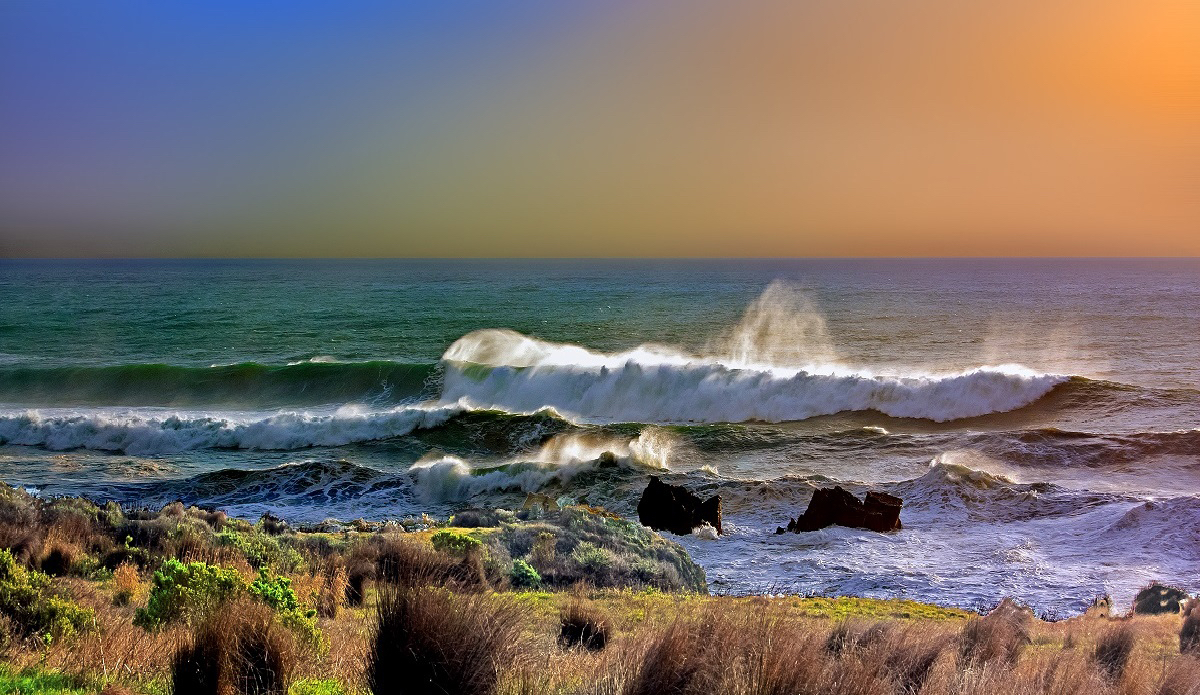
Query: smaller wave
[
  {"x": 1175, "y": 520},
  {"x": 1055, "y": 447},
  {"x": 318, "y": 380},
  {"x": 959, "y": 486},
  {"x": 298, "y": 489},
  {"x": 142, "y": 433}
]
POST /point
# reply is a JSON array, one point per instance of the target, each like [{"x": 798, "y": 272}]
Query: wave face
[
  {"x": 508, "y": 371},
  {"x": 248, "y": 384}
]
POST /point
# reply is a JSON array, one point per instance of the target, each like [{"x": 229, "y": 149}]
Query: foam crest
[
  {"x": 953, "y": 467},
  {"x": 706, "y": 391},
  {"x": 148, "y": 432}
]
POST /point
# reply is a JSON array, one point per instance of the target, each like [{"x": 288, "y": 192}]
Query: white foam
[
  {"x": 150, "y": 431},
  {"x": 504, "y": 370}
]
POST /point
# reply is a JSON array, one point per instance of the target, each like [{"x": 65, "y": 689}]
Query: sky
[{"x": 606, "y": 128}]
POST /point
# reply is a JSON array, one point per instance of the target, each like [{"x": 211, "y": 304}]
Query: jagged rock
[
  {"x": 1158, "y": 598},
  {"x": 673, "y": 508},
  {"x": 1101, "y": 608},
  {"x": 829, "y": 506}
]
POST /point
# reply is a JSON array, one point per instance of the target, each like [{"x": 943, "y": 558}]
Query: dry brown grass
[
  {"x": 683, "y": 644},
  {"x": 240, "y": 650},
  {"x": 126, "y": 584},
  {"x": 1000, "y": 635},
  {"x": 332, "y": 590},
  {"x": 114, "y": 651},
  {"x": 1113, "y": 650},
  {"x": 1182, "y": 677},
  {"x": 429, "y": 640}
]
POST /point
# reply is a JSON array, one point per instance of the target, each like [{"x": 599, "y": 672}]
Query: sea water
[{"x": 1039, "y": 418}]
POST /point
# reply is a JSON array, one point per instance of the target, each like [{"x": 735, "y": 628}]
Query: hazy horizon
[{"x": 673, "y": 129}]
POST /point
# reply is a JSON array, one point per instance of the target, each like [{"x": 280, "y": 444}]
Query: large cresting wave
[{"x": 504, "y": 370}]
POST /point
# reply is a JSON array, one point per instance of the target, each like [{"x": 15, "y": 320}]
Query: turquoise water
[{"x": 1027, "y": 411}]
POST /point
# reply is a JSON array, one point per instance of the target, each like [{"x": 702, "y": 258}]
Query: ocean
[{"x": 1039, "y": 418}]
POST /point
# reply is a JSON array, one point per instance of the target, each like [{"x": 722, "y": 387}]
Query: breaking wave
[
  {"x": 143, "y": 432},
  {"x": 500, "y": 369}
]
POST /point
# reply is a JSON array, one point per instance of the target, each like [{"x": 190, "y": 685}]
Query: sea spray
[{"x": 443, "y": 478}]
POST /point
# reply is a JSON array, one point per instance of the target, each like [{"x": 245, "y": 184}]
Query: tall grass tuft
[
  {"x": 1113, "y": 650},
  {"x": 428, "y": 640},
  {"x": 582, "y": 626},
  {"x": 1000, "y": 636},
  {"x": 239, "y": 650},
  {"x": 683, "y": 660}
]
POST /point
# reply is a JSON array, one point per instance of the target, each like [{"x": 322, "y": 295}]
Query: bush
[
  {"x": 334, "y": 585},
  {"x": 409, "y": 563},
  {"x": 682, "y": 660},
  {"x": 33, "y": 608},
  {"x": 429, "y": 640},
  {"x": 278, "y": 595},
  {"x": 239, "y": 649},
  {"x": 269, "y": 523},
  {"x": 187, "y": 593},
  {"x": 455, "y": 543},
  {"x": 523, "y": 576},
  {"x": 360, "y": 568},
  {"x": 475, "y": 518},
  {"x": 591, "y": 558},
  {"x": 262, "y": 550},
  {"x": 577, "y": 544}
]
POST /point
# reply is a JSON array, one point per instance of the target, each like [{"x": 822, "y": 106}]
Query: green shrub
[
  {"x": 524, "y": 576},
  {"x": 454, "y": 543},
  {"x": 262, "y": 550},
  {"x": 31, "y": 606},
  {"x": 187, "y": 593},
  {"x": 592, "y": 558},
  {"x": 280, "y": 597}
]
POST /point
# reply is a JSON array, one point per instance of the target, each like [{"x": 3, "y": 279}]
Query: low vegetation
[{"x": 187, "y": 601}]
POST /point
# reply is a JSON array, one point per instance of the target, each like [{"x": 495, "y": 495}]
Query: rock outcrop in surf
[
  {"x": 829, "y": 506},
  {"x": 1158, "y": 598},
  {"x": 673, "y": 508}
]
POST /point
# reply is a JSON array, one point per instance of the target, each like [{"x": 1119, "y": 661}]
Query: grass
[
  {"x": 34, "y": 681},
  {"x": 453, "y": 614}
]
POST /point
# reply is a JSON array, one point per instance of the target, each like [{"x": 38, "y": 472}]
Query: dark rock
[
  {"x": 830, "y": 506},
  {"x": 273, "y": 525},
  {"x": 1158, "y": 598},
  {"x": 673, "y": 508}
]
